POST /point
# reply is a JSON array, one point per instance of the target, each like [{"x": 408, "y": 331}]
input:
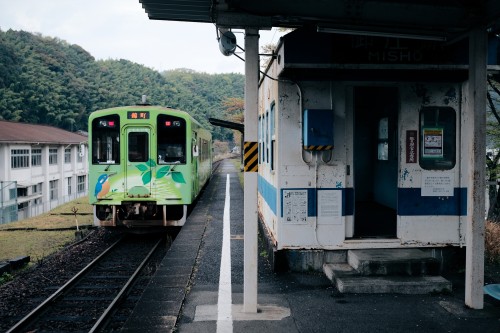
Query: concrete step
[
  {"x": 348, "y": 280},
  {"x": 413, "y": 262}
]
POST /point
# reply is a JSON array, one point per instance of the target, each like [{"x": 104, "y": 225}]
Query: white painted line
[
  {"x": 224, "y": 303},
  {"x": 265, "y": 313}
]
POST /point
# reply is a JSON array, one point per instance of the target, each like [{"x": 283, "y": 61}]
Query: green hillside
[{"x": 45, "y": 80}]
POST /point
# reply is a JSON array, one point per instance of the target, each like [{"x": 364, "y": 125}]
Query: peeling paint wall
[{"x": 430, "y": 227}]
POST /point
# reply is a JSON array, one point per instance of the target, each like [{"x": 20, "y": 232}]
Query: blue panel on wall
[
  {"x": 318, "y": 128},
  {"x": 411, "y": 203}
]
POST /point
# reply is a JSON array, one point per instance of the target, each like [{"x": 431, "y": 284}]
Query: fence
[{"x": 11, "y": 210}]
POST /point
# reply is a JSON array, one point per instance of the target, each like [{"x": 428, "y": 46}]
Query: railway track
[{"x": 95, "y": 297}]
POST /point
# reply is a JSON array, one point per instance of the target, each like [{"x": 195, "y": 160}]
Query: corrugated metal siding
[{"x": 178, "y": 10}]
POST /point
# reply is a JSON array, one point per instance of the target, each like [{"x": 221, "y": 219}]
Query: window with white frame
[
  {"x": 36, "y": 189},
  {"x": 69, "y": 185},
  {"x": 36, "y": 156},
  {"x": 79, "y": 157},
  {"x": 53, "y": 189},
  {"x": 67, "y": 155},
  {"x": 81, "y": 184},
  {"x": 52, "y": 155},
  {"x": 22, "y": 192},
  {"x": 19, "y": 158}
]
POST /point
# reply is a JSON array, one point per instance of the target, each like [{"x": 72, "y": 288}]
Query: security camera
[{"x": 227, "y": 43}]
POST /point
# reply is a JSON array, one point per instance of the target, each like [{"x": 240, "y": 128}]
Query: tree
[
  {"x": 493, "y": 154},
  {"x": 234, "y": 110},
  {"x": 47, "y": 80}
]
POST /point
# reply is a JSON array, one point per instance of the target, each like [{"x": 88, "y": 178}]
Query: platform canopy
[
  {"x": 443, "y": 19},
  {"x": 447, "y": 21}
]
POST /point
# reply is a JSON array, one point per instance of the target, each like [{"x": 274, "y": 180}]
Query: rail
[{"x": 110, "y": 260}]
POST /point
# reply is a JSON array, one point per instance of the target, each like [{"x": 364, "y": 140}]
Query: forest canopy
[{"x": 46, "y": 80}]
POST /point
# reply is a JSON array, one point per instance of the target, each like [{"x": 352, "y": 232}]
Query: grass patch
[
  {"x": 59, "y": 217},
  {"x": 237, "y": 164},
  {"x": 38, "y": 244},
  {"x": 492, "y": 242}
]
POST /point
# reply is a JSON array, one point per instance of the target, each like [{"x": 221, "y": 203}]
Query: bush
[
  {"x": 5, "y": 277},
  {"x": 492, "y": 241}
]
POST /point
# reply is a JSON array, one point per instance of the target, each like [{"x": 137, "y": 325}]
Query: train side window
[
  {"x": 437, "y": 138},
  {"x": 171, "y": 140},
  {"x": 106, "y": 140},
  {"x": 138, "y": 150},
  {"x": 272, "y": 130},
  {"x": 259, "y": 129}
]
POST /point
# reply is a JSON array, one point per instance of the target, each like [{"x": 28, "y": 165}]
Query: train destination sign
[{"x": 138, "y": 115}]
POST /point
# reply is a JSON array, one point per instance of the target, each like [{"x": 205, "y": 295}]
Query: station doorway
[{"x": 376, "y": 156}]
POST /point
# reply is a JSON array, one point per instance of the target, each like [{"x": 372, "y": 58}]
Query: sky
[{"x": 120, "y": 29}]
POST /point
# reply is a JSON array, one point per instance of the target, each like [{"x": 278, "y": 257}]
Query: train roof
[{"x": 141, "y": 107}]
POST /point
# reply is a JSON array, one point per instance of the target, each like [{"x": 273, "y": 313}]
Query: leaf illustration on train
[
  {"x": 147, "y": 173},
  {"x": 162, "y": 171}
]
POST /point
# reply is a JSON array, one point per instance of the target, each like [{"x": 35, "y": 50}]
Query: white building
[{"x": 41, "y": 167}]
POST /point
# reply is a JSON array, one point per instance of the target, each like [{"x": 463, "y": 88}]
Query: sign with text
[
  {"x": 433, "y": 142},
  {"x": 330, "y": 207},
  {"x": 411, "y": 146},
  {"x": 295, "y": 206},
  {"x": 437, "y": 184},
  {"x": 137, "y": 115}
]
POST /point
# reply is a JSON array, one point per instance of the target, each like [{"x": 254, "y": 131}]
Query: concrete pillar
[
  {"x": 250, "y": 176},
  {"x": 476, "y": 130}
]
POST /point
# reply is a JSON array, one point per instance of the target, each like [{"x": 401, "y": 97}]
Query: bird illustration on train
[
  {"x": 147, "y": 165},
  {"x": 102, "y": 186}
]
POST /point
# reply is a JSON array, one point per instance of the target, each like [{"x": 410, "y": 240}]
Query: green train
[{"x": 147, "y": 165}]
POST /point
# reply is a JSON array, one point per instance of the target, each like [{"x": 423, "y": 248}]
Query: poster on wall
[
  {"x": 433, "y": 142},
  {"x": 295, "y": 206},
  {"x": 437, "y": 184},
  {"x": 330, "y": 207}
]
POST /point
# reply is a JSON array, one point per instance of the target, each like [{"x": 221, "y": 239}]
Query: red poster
[{"x": 411, "y": 146}]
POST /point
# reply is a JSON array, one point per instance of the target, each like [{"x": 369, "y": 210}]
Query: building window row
[{"x": 20, "y": 158}]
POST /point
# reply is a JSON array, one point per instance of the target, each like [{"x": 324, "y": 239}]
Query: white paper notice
[
  {"x": 436, "y": 184},
  {"x": 329, "y": 207},
  {"x": 295, "y": 206}
]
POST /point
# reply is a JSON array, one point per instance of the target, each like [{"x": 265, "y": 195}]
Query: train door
[
  {"x": 138, "y": 170},
  {"x": 194, "y": 164},
  {"x": 375, "y": 161}
]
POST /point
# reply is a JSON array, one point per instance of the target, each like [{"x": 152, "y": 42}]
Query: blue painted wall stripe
[
  {"x": 268, "y": 192},
  {"x": 410, "y": 201}
]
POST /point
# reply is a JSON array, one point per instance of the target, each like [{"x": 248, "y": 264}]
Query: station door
[{"x": 376, "y": 156}]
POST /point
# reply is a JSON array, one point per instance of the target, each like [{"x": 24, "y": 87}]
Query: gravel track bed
[{"x": 30, "y": 287}]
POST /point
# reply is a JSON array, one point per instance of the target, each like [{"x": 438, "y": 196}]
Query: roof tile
[{"x": 31, "y": 133}]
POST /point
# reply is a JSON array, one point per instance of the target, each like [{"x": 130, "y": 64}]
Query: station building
[
  {"x": 41, "y": 167},
  {"x": 364, "y": 142}
]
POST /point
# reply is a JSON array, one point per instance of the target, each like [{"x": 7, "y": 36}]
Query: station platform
[{"x": 186, "y": 295}]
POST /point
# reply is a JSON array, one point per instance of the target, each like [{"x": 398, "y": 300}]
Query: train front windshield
[
  {"x": 171, "y": 140},
  {"x": 106, "y": 140}
]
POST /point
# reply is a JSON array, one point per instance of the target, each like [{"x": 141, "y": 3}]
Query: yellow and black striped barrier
[
  {"x": 251, "y": 157},
  {"x": 318, "y": 148}
]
